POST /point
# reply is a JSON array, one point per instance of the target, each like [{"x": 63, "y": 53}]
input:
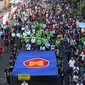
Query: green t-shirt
[
  {"x": 48, "y": 37},
  {"x": 51, "y": 33},
  {"x": 39, "y": 32},
  {"x": 33, "y": 26},
  {"x": 47, "y": 32},
  {"x": 44, "y": 41},
  {"x": 58, "y": 42},
  {"x": 80, "y": 47},
  {"x": 21, "y": 36},
  {"x": 26, "y": 39},
  {"x": 36, "y": 23},
  {"x": 41, "y": 26},
  {"x": 31, "y": 35},
  {"x": 83, "y": 39},
  {"x": 38, "y": 42}
]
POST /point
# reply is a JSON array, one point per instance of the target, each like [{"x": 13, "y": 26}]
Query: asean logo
[{"x": 36, "y": 63}]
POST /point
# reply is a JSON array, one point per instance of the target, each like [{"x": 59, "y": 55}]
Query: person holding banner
[{"x": 24, "y": 83}]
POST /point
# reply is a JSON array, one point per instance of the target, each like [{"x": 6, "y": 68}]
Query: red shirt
[
  {"x": 84, "y": 50},
  {"x": 3, "y": 41},
  {"x": 29, "y": 7},
  {"x": 1, "y": 49},
  {"x": 34, "y": 17}
]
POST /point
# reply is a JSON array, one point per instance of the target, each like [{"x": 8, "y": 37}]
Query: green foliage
[
  {"x": 83, "y": 10},
  {"x": 76, "y": 12}
]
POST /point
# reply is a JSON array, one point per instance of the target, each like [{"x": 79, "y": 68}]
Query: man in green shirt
[
  {"x": 38, "y": 41},
  {"x": 44, "y": 41},
  {"x": 58, "y": 42}
]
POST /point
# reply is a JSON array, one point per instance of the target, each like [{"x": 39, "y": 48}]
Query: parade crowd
[{"x": 44, "y": 26}]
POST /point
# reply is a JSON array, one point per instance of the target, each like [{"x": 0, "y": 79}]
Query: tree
[{"x": 83, "y": 10}]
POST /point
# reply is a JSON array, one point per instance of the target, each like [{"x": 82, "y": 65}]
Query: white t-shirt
[
  {"x": 44, "y": 25},
  {"x": 72, "y": 42},
  {"x": 77, "y": 52},
  {"x": 79, "y": 84},
  {"x": 1, "y": 32},
  {"x": 35, "y": 7},
  {"x": 18, "y": 34},
  {"x": 77, "y": 24},
  {"x": 13, "y": 34},
  {"x": 47, "y": 45},
  {"x": 33, "y": 31},
  {"x": 83, "y": 56},
  {"x": 33, "y": 40},
  {"x": 28, "y": 47},
  {"x": 52, "y": 47},
  {"x": 43, "y": 48},
  {"x": 71, "y": 63},
  {"x": 46, "y": 15},
  {"x": 53, "y": 25},
  {"x": 4, "y": 27},
  {"x": 24, "y": 34},
  {"x": 84, "y": 42},
  {"x": 24, "y": 84},
  {"x": 25, "y": 18},
  {"x": 26, "y": 27},
  {"x": 75, "y": 69},
  {"x": 28, "y": 32},
  {"x": 23, "y": 28},
  {"x": 75, "y": 78}
]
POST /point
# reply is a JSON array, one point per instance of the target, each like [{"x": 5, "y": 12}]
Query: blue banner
[
  {"x": 41, "y": 63},
  {"x": 81, "y": 24}
]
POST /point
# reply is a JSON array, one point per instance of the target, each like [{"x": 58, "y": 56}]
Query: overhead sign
[{"x": 23, "y": 77}]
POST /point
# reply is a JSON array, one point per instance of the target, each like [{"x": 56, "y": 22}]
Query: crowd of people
[{"x": 44, "y": 26}]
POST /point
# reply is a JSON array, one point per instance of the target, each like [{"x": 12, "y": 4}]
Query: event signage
[
  {"x": 23, "y": 77},
  {"x": 36, "y": 63}
]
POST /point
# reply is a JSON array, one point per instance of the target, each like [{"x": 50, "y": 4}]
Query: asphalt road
[{"x": 3, "y": 63}]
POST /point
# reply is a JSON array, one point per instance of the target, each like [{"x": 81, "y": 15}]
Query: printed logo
[{"x": 36, "y": 63}]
